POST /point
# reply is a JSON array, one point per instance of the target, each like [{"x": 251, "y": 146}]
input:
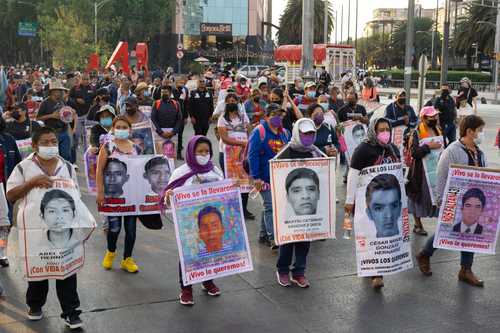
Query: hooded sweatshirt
[{"x": 295, "y": 149}]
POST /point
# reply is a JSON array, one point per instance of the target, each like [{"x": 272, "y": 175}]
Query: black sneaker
[
  {"x": 73, "y": 321},
  {"x": 35, "y": 314},
  {"x": 249, "y": 216},
  {"x": 273, "y": 245},
  {"x": 4, "y": 262}
]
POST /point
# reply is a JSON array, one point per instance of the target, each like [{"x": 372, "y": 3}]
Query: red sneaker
[
  {"x": 186, "y": 296},
  {"x": 210, "y": 288},
  {"x": 300, "y": 281},
  {"x": 283, "y": 279}
]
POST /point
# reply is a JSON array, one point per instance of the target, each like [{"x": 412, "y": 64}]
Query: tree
[
  {"x": 373, "y": 51},
  {"x": 424, "y": 29},
  {"x": 291, "y": 22}
]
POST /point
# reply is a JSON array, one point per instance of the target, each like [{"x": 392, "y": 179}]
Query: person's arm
[
  {"x": 364, "y": 117},
  {"x": 227, "y": 139},
  {"x": 418, "y": 151},
  {"x": 297, "y": 113},
  {"x": 72, "y": 98},
  {"x": 101, "y": 164},
  {"x": 413, "y": 119},
  {"x": 4, "y": 208},
  {"x": 442, "y": 173},
  {"x": 44, "y": 113},
  {"x": 18, "y": 187},
  {"x": 155, "y": 119},
  {"x": 474, "y": 105}
]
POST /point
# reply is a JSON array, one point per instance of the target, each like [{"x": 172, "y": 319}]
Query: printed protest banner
[
  {"x": 24, "y": 147},
  {"x": 210, "y": 230},
  {"x": 166, "y": 147},
  {"x": 470, "y": 211},
  {"x": 430, "y": 162},
  {"x": 381, "y": 221},
  {"x": 146, "y": 109},
  {"x": 133, "y": 184},
  {"x": 53, "y": 226},
  {"x": 303, "y": 196},
  {"x": 88, "y": 129},
  {"x": 371, "y": 106},
  {"x": 142, "y": 135},
  {"x": 354, "y": 134},
  {"x": 90, "y": 160},
  {"x": 398, "y": 135},
  {"x": 233, "y": 165}
]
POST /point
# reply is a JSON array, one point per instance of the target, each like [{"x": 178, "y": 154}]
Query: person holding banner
[
  {"x": 400, "y": 112},
  {"x": 418, "y": 190},
  {"x": 105, "y": 117},
  {"x": 465, "y": 151},
  {"x": 233, "y": 127},
  {"x": 37, "y": 171},
  {"x": 18, "y": 123},
  {"x": 198, "y": 169},
  {"x": 377, "y": 149},
  {"x": 302, "y": 187},
  {"x": 326, "y": 136},
  {"x": 132, "y": 112},
  {"x": 266, "y": 140},
  {"x": 111, "y": 175}
]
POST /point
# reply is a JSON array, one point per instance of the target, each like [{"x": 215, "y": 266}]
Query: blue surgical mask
[
  {"x": 121, "y": 134},
  {"x": 106, "y": 122},
  {"x": 311, "y": 94},
  {"x": 325, "y": 106}
]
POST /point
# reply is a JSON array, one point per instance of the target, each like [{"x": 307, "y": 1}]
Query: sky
[{"x": 366, "y": 8}]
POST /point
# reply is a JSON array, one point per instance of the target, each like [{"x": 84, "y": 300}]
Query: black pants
[
  {"x": 115, "y": 226},
  {"x": 36, "y": 296},
  {"x": 179, "y": 138},
  {"x": 201, "y": 127}
]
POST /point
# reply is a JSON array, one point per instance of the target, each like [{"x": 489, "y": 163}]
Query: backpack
[
  {"x": 158, "y": 103},
  {"x": 244, "y": 152}
]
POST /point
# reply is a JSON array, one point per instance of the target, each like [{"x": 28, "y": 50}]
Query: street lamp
[{"x": 97, "y": 6}]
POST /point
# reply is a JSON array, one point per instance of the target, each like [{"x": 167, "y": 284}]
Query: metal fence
[{"x": 479, "y": 86}]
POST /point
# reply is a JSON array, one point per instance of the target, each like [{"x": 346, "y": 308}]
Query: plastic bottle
[{"x": 347, "y": 226}]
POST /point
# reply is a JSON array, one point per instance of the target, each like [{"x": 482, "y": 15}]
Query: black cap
[
  {"x": 131, "y": 100},
  {"x": 102, "y": 91},
  {"x": 273, "y": 107}
]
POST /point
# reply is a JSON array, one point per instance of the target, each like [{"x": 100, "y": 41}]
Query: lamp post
[{"x": 97, "y": 6}]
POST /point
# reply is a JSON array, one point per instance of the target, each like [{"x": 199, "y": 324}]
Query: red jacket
[{"x": 242, "y": 92}]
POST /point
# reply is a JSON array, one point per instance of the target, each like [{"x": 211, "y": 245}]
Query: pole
[
  {"x": 342, "y": 23},
  {"x": 422, "y": 71},
  {"x": 446, "y": 37},
  {"x": 325, "y": 23},
  {"x": 356, "y": 27},
  {"x": 410, "y": 31},
  {"x": 348, "y": 22},
  {"x": 336, "y": 27},
  {"x": 497, "y": 51},
  {"x": 434, "y": 32},
  {"x": 95, "y": 25},
  {"x": 307, "y": 39}
]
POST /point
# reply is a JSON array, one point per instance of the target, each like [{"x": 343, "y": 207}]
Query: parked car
[{"x": 251, "y": 71}]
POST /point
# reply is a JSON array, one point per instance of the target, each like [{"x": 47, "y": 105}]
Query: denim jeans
[
  {"x": 115, "y": 226},
  {"x": 450, "y": 132},
  {"x": 64, "y": 145},
  {"x": 266, "y": 224},
  {"x": 286, "y": 256},
  {"x": 466, "y": 258}
]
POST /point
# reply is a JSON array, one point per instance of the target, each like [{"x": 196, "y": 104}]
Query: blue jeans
[
  {"x": 115, "y": 226},
  {"x": 466, "y": 258},
  {"x": 450, "y": 132},
  {"x": 266, "y": 225},
  {"x": 64, "y": 145},
  {"x": 286, "y": 256}
]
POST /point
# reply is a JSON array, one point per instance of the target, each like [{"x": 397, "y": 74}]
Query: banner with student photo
[
  {"x": 233, "y": 165},
  {"x": 210, "y": 230},
  {"x": 88, "y": 132},
  {"x": 24, "y": 147},
  {"x": 90, "y": 162},
  {"x": 370, "y": 106},
  {"x": 142, "y": 135},
  {"x": 53, "y": 225},
  {"x": 165, "y": 147},
  {"x": 133, "y": 184},
  {"x": 430, "y": 163},
  {"x": 398, "y": 136},
  {"x": 146, "y": 109},
  {"x": 470, "y": 210},
  {"x": 303, "y": 197},
  {"x": 354, "y": 133},
  {"x": 381, "y": 222}
]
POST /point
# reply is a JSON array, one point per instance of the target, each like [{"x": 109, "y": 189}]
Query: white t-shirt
[
  {"x": 30, "y": 170},
  {"x": 236, "y": 126},
  {"x": 202, "y": 178}
]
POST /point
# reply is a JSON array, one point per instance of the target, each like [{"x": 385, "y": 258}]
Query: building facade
[{"x": 222, "y": 27}]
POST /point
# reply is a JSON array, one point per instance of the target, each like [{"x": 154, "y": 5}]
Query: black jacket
[
  {"x": 87, "y": 93},
  {"x": 166, "y": 115},
  {"x": 201, "y": 105},
  {"x": 395, "y": 115},
  {"x": 447, "y": 109},
  {"x": 11, "y": 153}
]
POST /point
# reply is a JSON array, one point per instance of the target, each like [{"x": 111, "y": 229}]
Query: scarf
[
  {"x": 371, "y": 136},
  {"x": 297, "y": 145}
]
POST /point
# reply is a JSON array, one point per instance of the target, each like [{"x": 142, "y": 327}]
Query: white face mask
[
  {"x": 48, "y": 152},
  {"x": 479, "y": 139},
  {"x": 202, "y": 159}
]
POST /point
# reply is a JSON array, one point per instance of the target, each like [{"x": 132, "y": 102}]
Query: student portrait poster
[
  {"x": 233, "y": 165},
  {"x": 430, "y": 163},
  {"x": 303, "y": 197},
  {"x": 381, "y": 222},
  {"x": 210, "y": 230},
  {"x": 354, "y": 134},
  {"x": 24, "y": 147},
  {"x": 90, "y": 161},
  {"x": 470, "y": 210},
  {"x": 133, "y": 184},
  {"x": 398, "y": 134},
  {"x": 142, "y": 135},
  {"x": 53, "y": 225}
]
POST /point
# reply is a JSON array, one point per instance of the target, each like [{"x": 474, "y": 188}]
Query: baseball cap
[
  {"x": 428, "y": 111},
  {"x": 306, "y": 126},
  {"x": 309, "y": 85},
  {"x": 131, "y": 100}
]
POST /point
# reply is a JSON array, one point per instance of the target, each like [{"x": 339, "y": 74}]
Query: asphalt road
[{"x": 337, "y": 301}]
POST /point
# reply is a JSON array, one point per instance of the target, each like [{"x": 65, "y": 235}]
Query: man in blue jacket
[
  {"x": 400, "y": 112},
  {"x": 266, "y": 140}
]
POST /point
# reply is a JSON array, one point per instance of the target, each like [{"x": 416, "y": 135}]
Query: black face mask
[
  {"x": 165, "y": 98},
  {"x": 432, "y": 123},
  {"x": 445, "y": 93},
  {"x": 256, "y": 99},
  {"x": 402, "y": 101},
  {"x": 16, "y": 115},
  {"x": 131, "y": 111},
  {"x": 351, "y": 103}
]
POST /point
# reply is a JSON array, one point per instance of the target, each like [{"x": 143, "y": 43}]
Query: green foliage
[
  {"x": 453, "y": 76},
  {"x": 374, "y": 51},
  {"x": 291, "y": 22}
]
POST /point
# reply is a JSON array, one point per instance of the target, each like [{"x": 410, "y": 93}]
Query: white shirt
[{"x": 238, "y": 125}]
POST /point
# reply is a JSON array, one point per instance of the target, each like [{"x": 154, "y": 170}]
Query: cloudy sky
[{"x": 366, "y": 8}]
